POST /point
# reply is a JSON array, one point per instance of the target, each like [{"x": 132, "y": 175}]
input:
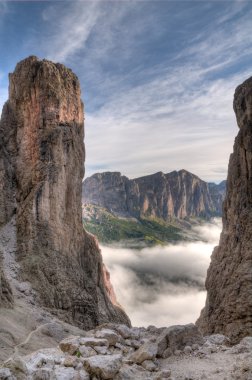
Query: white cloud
[
  {"x": 72, "y": 29},
  {"x": 166, "y": 124},
  {"x": 162, "y": 286}
]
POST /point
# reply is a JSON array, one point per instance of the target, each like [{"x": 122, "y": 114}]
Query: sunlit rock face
[
  {"x": 228, "y": 308},
  {"x": 43, "y": 168},
  {"x": 178, "y": 194}
]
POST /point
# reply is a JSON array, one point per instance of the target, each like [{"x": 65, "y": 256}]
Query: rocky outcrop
[
  {"x": 174, "y": 195},
  {"x": 228, "y": 306},
  {"x": 42, "y": 155}
]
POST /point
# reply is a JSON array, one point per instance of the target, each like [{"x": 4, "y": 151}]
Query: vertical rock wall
[
  {"x": 228, "y": 308},
  {"x": 60, "y": 259}
]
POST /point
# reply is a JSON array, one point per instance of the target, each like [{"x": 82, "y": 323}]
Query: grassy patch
[{"x": 110, "y": 228}]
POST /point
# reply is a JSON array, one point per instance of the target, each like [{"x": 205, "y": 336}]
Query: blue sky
[{"x": 157, "y": 77}]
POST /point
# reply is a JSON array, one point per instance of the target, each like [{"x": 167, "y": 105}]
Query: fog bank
[{"x": 162, "y": 286}]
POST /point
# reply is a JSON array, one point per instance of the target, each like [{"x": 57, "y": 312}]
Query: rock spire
[
  {"x": 228, "y": 308},
  {"x": 41, "y": 157}
]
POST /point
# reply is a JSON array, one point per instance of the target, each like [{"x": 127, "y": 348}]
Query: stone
[
  {"x": 108, "y": 334},
  {"x": 42, "y": 374},
  {"x": 229, "y": 287},
  {"x": 69, "y": 345},
  {"x": 177, "y": 337},
  {"x": 41, "y": 171},
  {"x": 86, "y": 351},
  {"x": 130, "y": 372},
  {"x": 195, "y": 347},
  {"x": 68, "y": 373},
  {"x": 92, "y": 342},
  {"x": 103, "y": 366},
  {"x": 17, "y": 367},
  {"x": 5, "y": 374},
  {"x": 166, "y": 373},
  {"x": 149, "y": 365},
  {"x": 70, "y": 361},
  {"x": 102, "y": 350},
  {"x": 124, "y": 331},
  {"x": 217, "y": 339},
  {"x": 187, "y": 350},
  {"x": 147, "y": 351}
]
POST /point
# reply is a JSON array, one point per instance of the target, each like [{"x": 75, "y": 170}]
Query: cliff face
[
  {"x": 42, "y": 170},
  {"x": 228, "y": 308},
  {"x": 176, "y": 194}
]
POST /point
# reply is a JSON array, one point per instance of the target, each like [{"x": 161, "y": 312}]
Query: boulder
[
  {"x": 103, "y": 366},
  {"x": 177, "y": 338},
  {"x": 92, "y": 342},
  {"x": 108, "y": 334},
  {"x": 147, "y": 351},
  {"x": 70, "y": 345}
]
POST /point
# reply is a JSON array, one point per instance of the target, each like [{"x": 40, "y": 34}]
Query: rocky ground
[{"x": 121, "y": 353}]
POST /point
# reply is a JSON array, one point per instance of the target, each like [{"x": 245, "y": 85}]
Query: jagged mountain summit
[
  {"x": 178, "y": 194},
  {"x": 228, "y": 308},
  {"x": 41, "y": 172}
]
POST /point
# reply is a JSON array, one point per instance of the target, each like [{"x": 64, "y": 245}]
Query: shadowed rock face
[
  {"x": 177, "y": 194},
  {"x": 42, "y": 168},
  {"x": 228, "y": 308}
]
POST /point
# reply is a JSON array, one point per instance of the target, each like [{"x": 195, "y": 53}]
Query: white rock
[
  {"x": 92, "y": 342},
  {"x": 177, "y": 337},
  {"x": 187, "y": 350},
  {"x": 102, "y": 350},
  {"x": 195, "y": 347},
  {"x": 70, "y": 345},
  {"x": 108, "y": 334},
  {"x": 148, "y": 351},
  {"x": 86, "y": 351},
  {"x": 105, "y": 366},
  {"x": 17, "y": 366},
  {"x": 149, "y": 365},
  {"x": 217, "y": 339},
  {"x": 126, "y": 332},
  {"x": 42, "y": 374},
  {"x": 64, "y": 373},
  {"x": 5, "y": 374},
  {"x": 133, "y": 372}
]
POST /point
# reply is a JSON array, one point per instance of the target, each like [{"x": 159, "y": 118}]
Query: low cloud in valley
[{"x": 163, "y": 285}]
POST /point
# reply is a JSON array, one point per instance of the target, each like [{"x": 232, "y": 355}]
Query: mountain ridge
[{"x": 178, "y": 194}]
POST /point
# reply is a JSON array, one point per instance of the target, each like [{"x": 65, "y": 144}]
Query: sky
[
  {"x": 167, "y": 279},
  {"x": 157, "y": 77}
]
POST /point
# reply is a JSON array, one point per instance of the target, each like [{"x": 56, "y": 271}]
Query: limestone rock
[
  {"x": 177, "y": 338},
  {"x": 104, "y": 366},
  {"x": 5, "y": 374},
  {"x": 228, "y": 308},
  {"x": 17, "y": 367},
  {"x": 147, "y": 351},
  {"x": 41, "y": 171},
  {"x": 92, "y": 342},
  {"x": 69, "y": 345},
  {"x": 86, "y": 351},
  {"x": 110, "y": 335}
]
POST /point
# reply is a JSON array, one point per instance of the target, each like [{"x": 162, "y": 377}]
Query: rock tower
[
  {"x": 41, "y": 171},
  {"x": 228, "y": 308}
]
